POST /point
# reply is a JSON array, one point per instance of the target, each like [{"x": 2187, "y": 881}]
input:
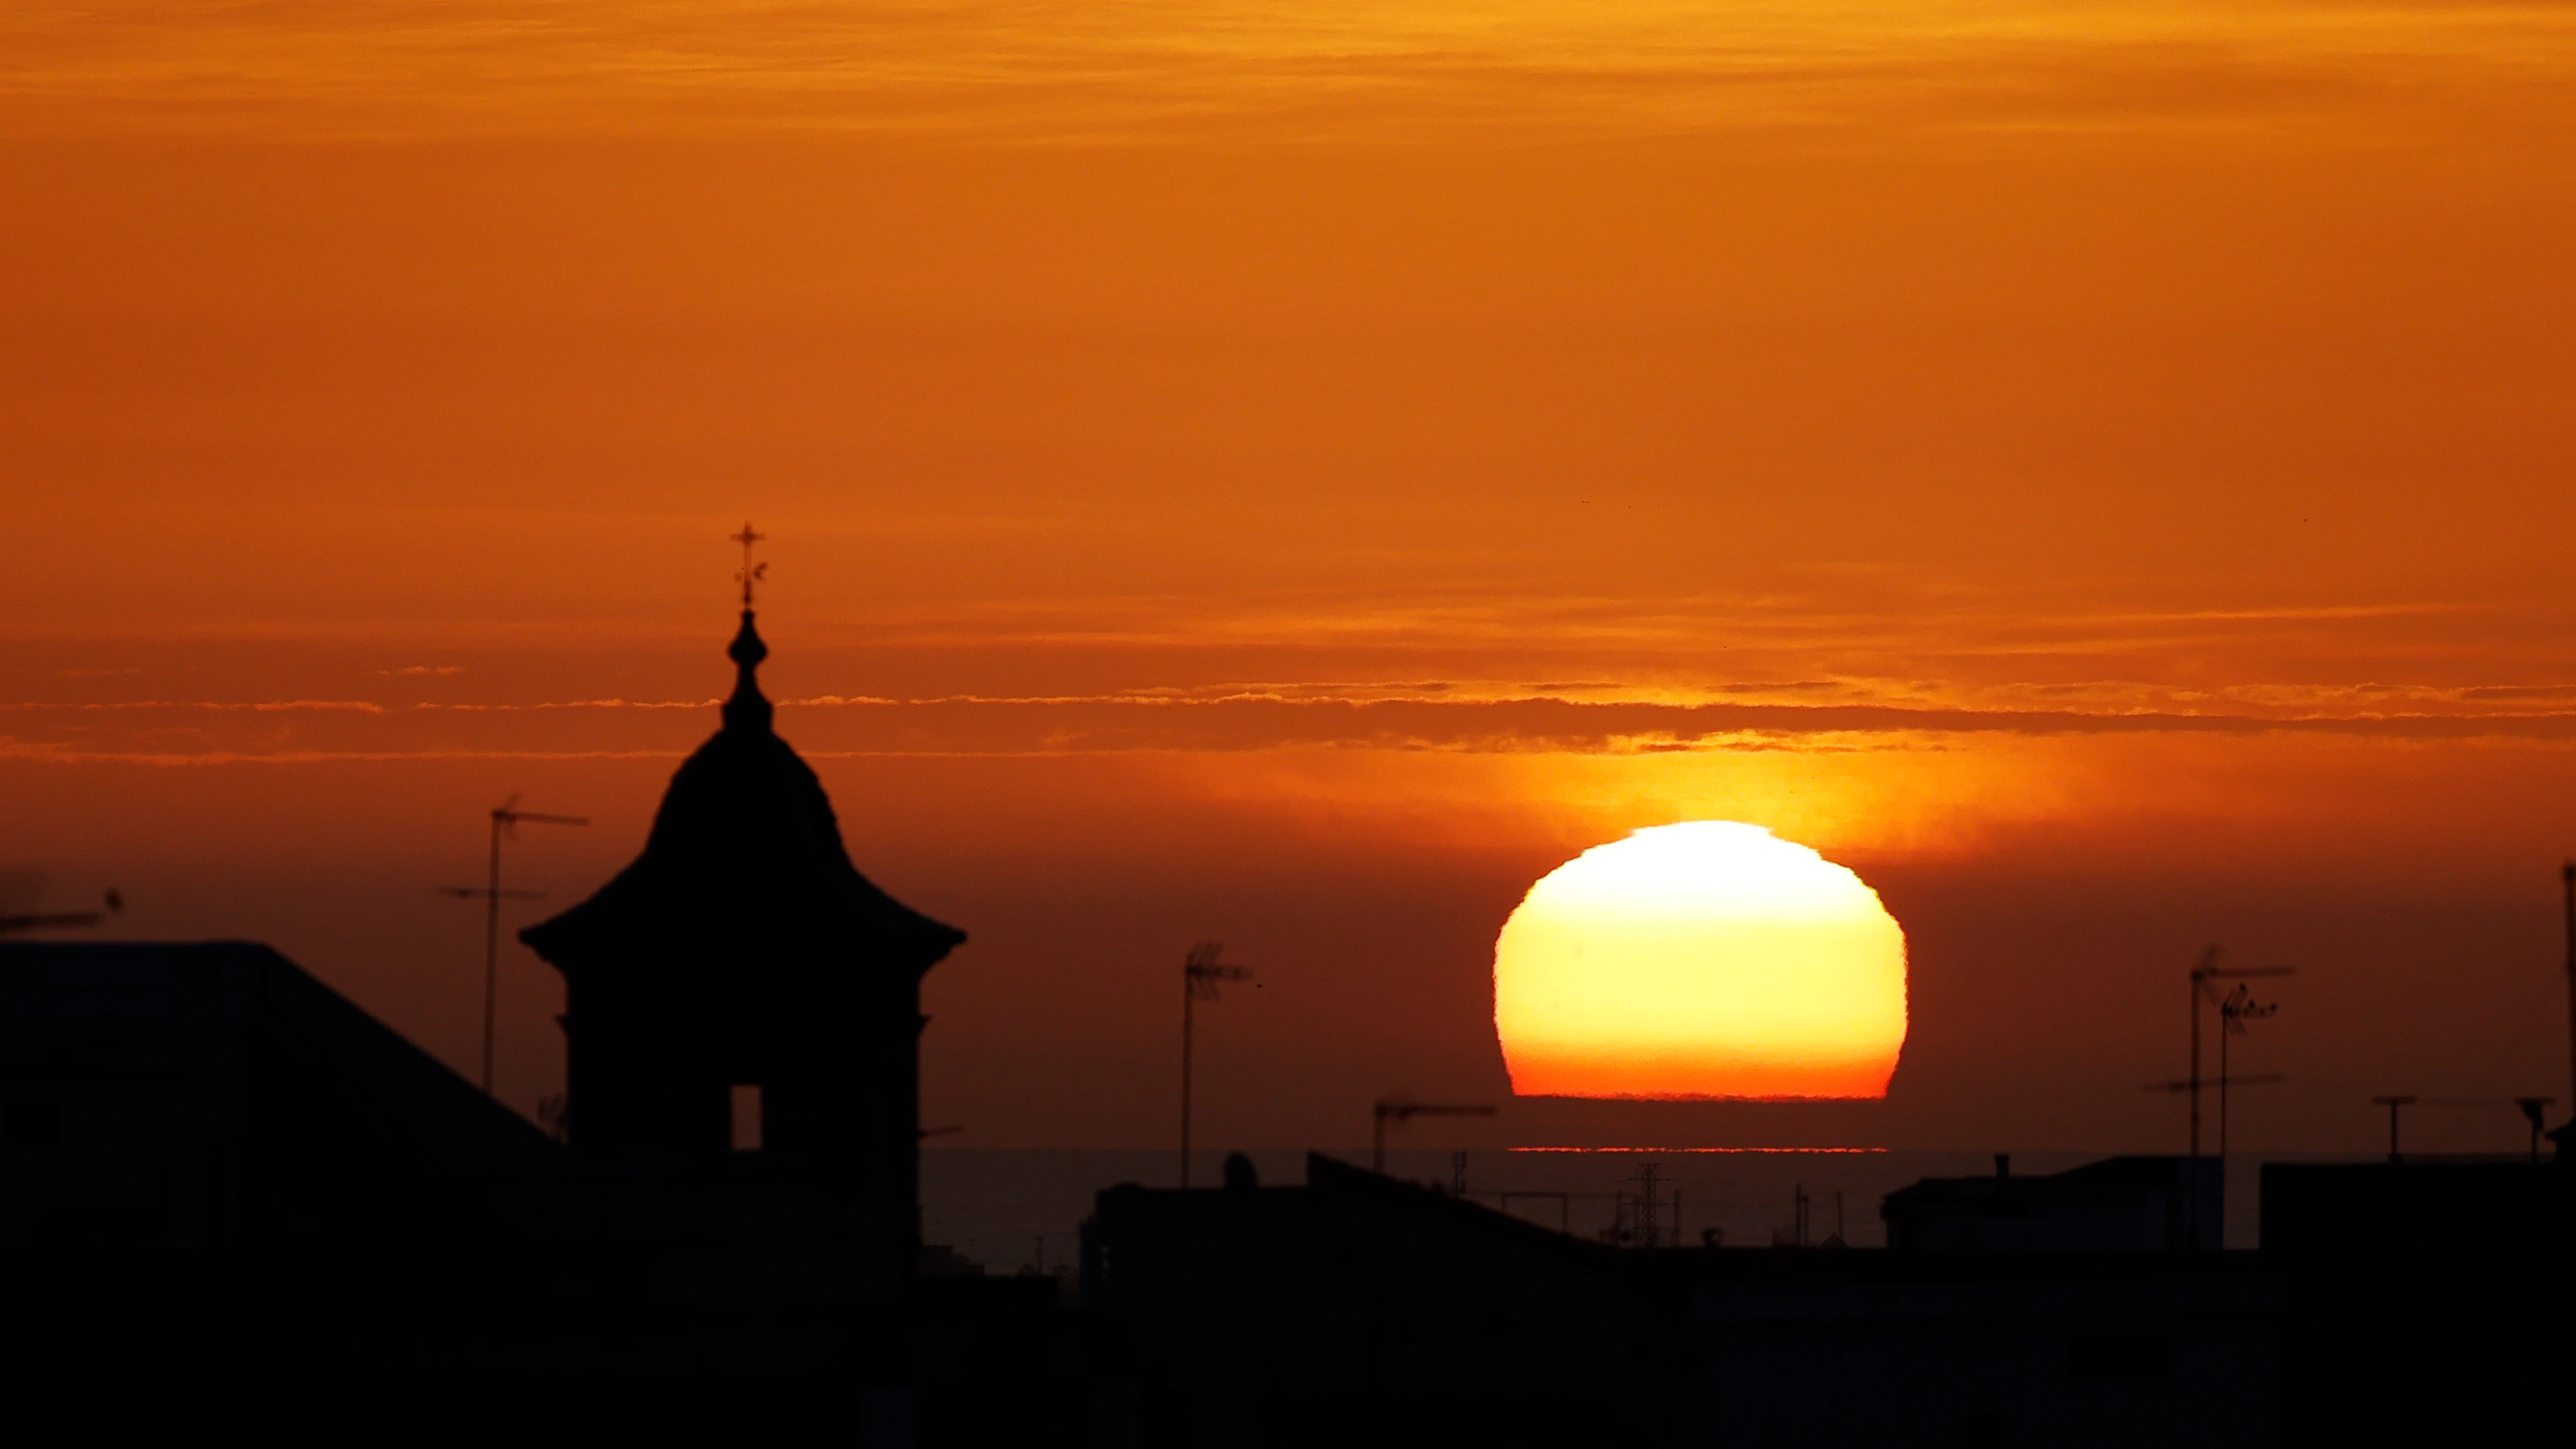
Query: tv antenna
[
  {"x": 505, "y": 819},
  {"x": 1202, "y": 974},
  {"x": 1401, "y": 1112},
  {"x": 2235, "y": 1008}
]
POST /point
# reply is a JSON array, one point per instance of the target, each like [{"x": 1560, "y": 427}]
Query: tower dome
[{"x": 744, "y": 872}]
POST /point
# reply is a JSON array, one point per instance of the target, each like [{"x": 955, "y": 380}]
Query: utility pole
[
  {"x": 2199, "y": 976},
  {"x": 505, "y": 818},
  {"x": 1201, "y": 974},
  {"x": 2567, "y": 891}
]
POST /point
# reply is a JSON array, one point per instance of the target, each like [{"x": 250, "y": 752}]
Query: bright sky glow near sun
[
  {"x": 1706, "y": 959},
  {"x": 1297, "y": 473}
]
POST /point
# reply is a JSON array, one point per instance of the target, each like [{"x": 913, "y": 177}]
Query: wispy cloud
[
  {"x": 1017, "y": 68},
  {"x": 972, "y": 726},
  {"x": 11, "y": 749},
  {"x": 1857, "y": 665}
]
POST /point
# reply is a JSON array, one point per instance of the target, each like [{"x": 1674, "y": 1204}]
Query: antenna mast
[
  {"x": 505, "y": 817},
  {"x": 2567, "y": 888},
  {"x": 1201, "y": 975},
  {"x": 2392, "y": 1104},
  {"x": 2233, "y": 1009},
  {"x": 2236, "y": 1009},
  {"x": 2199, "y": 983}
]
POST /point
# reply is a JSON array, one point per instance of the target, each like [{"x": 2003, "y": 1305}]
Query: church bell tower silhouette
[{"x": 740, "y": 998}]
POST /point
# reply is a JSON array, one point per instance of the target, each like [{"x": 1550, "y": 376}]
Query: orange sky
[{"x": 1295, "y": 474}]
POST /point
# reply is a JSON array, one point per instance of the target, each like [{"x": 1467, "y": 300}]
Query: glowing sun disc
[{"x": 1707, "y": 959}]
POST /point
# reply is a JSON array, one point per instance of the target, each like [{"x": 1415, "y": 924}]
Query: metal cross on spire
[{"x": 751, "y": 573}]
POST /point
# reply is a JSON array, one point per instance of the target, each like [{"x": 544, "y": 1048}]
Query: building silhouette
[
  {"x": 2119, "y": 1204},
  {"x": 741, "y": 998},
  {"x": 234, "y": 1207},
  {"x": 1353, "y": 1308}
]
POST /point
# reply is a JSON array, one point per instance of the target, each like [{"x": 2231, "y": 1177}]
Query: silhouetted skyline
[{"x": 1293, "y": 479}]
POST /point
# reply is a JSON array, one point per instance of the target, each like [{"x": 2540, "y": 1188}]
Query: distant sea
[{"x": 1013, "y": 1209}]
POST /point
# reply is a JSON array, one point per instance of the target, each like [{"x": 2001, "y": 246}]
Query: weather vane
[{"x": 751, "y": 573}]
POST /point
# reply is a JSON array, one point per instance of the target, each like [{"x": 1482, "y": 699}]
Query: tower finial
[
  {"x": 751, "y": 573},
  {"x": 747, "y": 710}
]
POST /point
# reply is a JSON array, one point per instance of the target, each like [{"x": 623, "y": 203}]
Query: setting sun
[{"x": 1707, "y": 959}]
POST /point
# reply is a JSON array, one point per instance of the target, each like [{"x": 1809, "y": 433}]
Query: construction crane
[
  {"x": 1202, "y": 974},
  {"x": 506, "y": 817},
  {"x": 1402, "y": 1112}
]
